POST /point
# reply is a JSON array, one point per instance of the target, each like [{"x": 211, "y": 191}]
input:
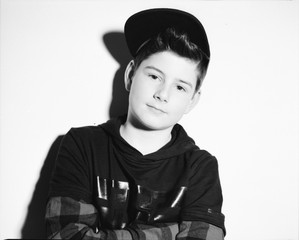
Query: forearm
[
  {"x": 70, "y": 219},
  {"x": 81, "y": 231},
  {"x": 67, "y": 218},
  {"x": 199, "y": 230},
  {"x": 185, "y": 230},
  {"x": 136, "y": 232}
]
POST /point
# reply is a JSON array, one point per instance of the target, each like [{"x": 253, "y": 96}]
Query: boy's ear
[
  {"x": 129, "y": 75},
  {"x": 193, "y": 102}
]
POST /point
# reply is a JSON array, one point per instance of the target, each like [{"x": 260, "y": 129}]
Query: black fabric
[
  {"x": 143, "y": 25},
  {"x": 178, "y": 182}
]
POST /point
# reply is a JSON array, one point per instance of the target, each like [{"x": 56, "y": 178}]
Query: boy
[{"x": 141, "y": 176}]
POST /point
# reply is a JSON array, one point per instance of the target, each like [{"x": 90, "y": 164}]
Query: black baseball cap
[{"x": 146, "y": 24}]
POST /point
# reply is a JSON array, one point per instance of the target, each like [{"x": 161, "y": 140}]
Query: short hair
[{"x": 179, "y": 43}]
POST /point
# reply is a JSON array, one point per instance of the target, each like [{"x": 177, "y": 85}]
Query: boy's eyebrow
[
  {"x": 187, "y": 83},
  {"x": 161, "y": 72},
  {"x": 154, "y": 68}
]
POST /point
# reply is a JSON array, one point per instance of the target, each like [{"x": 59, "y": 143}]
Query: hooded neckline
[{"x": 180, "y": 142}]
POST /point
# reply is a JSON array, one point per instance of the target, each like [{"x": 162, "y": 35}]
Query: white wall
[{"x": 57, "y": 73}]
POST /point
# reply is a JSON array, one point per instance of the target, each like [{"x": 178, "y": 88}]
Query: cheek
[
  {"x": 139, "y": 92},
  {"x": 180, "y": 105}
]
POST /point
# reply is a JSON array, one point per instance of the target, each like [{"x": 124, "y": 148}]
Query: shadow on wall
[
  {"x": 116, "y": 45},
  {"x": 34, "y": 225}
]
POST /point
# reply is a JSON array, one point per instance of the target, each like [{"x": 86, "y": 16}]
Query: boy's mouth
[{"x": 156, "y": 108}]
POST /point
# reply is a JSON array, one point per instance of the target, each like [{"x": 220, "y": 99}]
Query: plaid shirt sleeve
[{"x": 67, "y": 218}]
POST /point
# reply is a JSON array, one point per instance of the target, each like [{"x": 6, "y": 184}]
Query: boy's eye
[
  {"x": 152, "y": 76},
  {"x": 180, "y": 88}
]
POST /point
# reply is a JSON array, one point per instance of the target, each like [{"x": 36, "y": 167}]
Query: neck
[{"x": 145, "y": 141}]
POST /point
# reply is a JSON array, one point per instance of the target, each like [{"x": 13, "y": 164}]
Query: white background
[{"x": 56, "y": 73}]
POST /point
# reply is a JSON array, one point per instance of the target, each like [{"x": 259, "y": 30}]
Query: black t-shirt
[{"x": 178, "y": 182}]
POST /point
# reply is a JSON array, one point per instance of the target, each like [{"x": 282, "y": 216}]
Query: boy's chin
[
  {"x": 152, "y": 122},
  {"x": 156, "y": 125}
]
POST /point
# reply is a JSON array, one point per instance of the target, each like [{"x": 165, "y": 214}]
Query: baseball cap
[{"x": 146, "y": 24}]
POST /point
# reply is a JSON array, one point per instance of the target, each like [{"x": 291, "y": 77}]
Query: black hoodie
[{"x": 178, "y": 182}]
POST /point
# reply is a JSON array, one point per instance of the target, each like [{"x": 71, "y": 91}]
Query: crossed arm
[{"x": 67, "y": 218}]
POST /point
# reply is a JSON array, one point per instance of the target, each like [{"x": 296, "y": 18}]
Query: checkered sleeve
[
  {"x": 197, "y": 230},
  {"x": 67, "y": 218}
]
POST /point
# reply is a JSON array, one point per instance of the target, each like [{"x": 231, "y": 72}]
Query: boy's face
[{"x": 162, "y": 90}]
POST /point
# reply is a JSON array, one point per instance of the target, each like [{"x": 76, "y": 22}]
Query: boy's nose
[{"x": 162, "y": 94}]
